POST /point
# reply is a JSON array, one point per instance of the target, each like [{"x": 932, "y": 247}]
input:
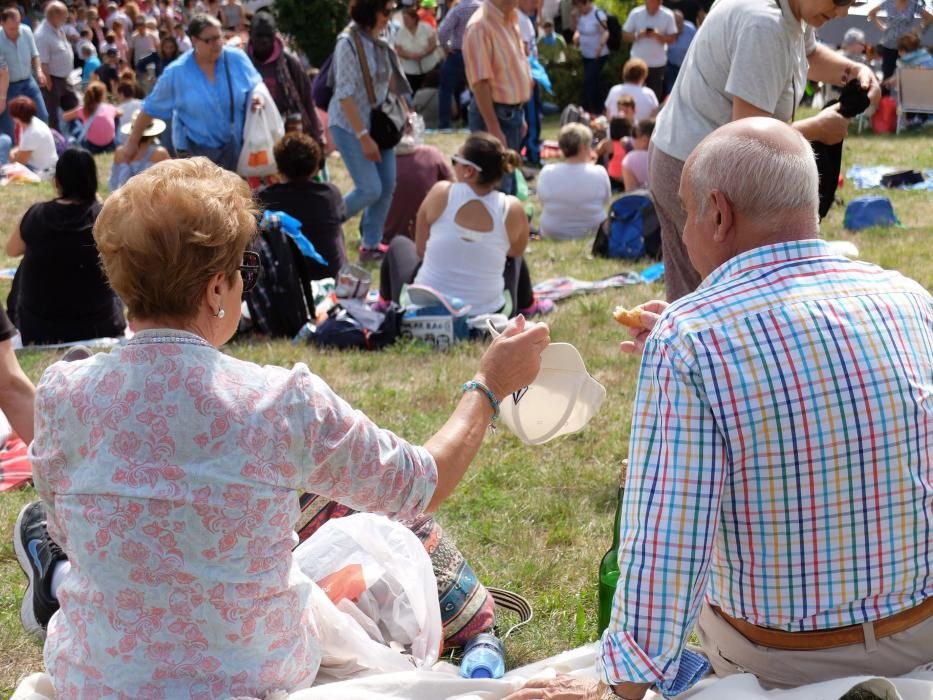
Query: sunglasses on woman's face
[{"x": 250, "y": 269}]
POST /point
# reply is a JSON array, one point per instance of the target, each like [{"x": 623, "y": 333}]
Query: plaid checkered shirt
[{"x": 780, "y": 458}]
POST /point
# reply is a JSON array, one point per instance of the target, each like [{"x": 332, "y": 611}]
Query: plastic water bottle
[
  {"x": 483, "y": 657},
  {"x": 304, "y": 333}
]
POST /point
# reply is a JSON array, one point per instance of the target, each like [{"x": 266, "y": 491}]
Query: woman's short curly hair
[{"x": 167, "y": 231}]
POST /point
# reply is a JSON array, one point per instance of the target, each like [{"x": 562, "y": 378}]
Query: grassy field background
[{"x": 532, "y": 519}]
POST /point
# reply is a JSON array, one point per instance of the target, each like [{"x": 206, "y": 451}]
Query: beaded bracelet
[{"x": 479, "y": 386}]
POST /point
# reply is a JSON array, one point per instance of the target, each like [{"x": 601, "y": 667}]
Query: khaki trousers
[
  {"x": 729, "y": 652},
  {"x": 664, "y": 174}
]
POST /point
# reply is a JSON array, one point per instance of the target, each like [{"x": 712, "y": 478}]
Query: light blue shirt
[
  {"x": 199, "y": 109},
  {"x": 18, "y": 56},
  {"x": 677, "y": 51}
]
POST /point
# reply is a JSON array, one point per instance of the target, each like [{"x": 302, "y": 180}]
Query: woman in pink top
[
  {"x": 98, "y": 118},
  {"x": 169, "y": 471}
]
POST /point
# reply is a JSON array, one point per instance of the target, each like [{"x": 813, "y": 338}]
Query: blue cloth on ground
[
  {"x": 865, "y": 212},
  {"x": 868, "y": 176}
]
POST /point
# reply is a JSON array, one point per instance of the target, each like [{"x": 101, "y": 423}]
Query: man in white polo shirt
[{"x": 649, "y": 28}]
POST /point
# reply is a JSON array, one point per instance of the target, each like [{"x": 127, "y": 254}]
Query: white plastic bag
[
  {"x": 393, "y": 601},
  {"x": 261, "y": 130}
]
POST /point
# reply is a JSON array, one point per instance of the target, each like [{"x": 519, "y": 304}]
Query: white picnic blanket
[{"x": 442, "y": 682}]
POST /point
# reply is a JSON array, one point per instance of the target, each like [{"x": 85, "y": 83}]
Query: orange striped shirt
[{"x": 493, "y": 51}]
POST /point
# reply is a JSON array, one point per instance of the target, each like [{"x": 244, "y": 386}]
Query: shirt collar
[
  {"x": 499, "y": 14},
  {"x": 765, "y": 256}
]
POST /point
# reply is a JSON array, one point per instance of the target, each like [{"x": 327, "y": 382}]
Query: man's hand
[
  {"x": 257, "y": 103},
  {"x": 559, "y": 688},
  {"x": 496, "y": 131},
  {"x": 41, "y": 79},
  {"x": 2, "y": 105},
  {"x": 650, "y": 313}
]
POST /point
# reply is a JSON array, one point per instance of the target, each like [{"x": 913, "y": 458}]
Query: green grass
[{"x": 535, "y": 520}]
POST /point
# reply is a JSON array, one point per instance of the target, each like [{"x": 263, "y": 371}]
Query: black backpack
[
  {"x": 322, "y": 89},
  {"x": 611, "y": 22},
  {"x": 282, "y": 300},
  {"x": 632, "y": 229}
]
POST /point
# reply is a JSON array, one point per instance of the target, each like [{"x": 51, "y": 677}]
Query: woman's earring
[{"x": 221, "y": 313}]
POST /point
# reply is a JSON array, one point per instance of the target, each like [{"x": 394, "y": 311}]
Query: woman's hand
[
  {"x": 513, "y": 359},
  {"x": 829, "y": 126},
  {"x": 370, "y": 149},
  {"x": 650, "y": 313}
]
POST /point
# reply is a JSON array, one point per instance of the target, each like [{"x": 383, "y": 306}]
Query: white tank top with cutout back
[{"x": 467, "y": 264}]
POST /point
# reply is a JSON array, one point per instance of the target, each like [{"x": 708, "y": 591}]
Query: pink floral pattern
[{"x": 171, "y": 474}]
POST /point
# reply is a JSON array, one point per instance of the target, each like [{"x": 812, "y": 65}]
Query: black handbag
[{"x": 386, "y": 121}]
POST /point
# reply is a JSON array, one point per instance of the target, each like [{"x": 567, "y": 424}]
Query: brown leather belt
[{"x": 831, "y": 638}]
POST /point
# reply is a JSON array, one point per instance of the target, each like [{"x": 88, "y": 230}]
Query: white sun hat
[{"x": 561, "y": 400}]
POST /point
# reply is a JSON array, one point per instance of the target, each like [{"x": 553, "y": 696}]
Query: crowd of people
[{"x": 188, "y": 457}]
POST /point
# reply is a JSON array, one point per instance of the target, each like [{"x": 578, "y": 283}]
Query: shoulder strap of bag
[
  {"x": 364, "y": 67},
  {"x": 507, "y": 600},
  {"x": 229, "y": 92}
]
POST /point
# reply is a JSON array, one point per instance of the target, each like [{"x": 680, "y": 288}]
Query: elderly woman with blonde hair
[{"x": 169, "y": 472}]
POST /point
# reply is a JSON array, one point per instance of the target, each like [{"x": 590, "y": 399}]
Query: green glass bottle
[{"x": 609, "y": 566}]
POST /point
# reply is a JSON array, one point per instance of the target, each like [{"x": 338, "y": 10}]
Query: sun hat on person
[{"x": 154, "y": 129}]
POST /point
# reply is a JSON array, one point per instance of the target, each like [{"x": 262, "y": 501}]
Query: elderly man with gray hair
[
  {"x": 780, "y": 482},
  {"x": 57, "y": 59}
]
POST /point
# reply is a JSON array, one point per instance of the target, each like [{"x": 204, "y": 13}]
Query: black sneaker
[{"x": 37, "y": 555}]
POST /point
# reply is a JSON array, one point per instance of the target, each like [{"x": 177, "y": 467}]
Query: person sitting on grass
[
  {"x": 635, "y": 164},
  {"x": 169, "y": 472},
  {"x": 98, "y": 118},
  {"x": 634, "y": 75},
  {"x": 573, "y": 194},
  {"x": 781, "y": 435},
  {"x": 150, "y": 152},
  {"x": 614, "y": 149},
  {"x": 59, "y": 292},
  {"x": 36, "y": 144},
  {"x": 317, "y": 205},
  {"x": 468, "y": 236}
]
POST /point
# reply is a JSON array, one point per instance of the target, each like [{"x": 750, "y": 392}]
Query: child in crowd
[
  {"x": 910, "y": 53},
  {"x": 127, "y": 107},
  {"x": 107, "y": 71},
  {"x": 91, "y": 63},
  {"x": 635, "y": 164},
  {"x": 634, "y": 75},
  {"x": 615, "y": 148},
  {"x": 552, "y": 49},
  {"x": 98, "y": 118}
]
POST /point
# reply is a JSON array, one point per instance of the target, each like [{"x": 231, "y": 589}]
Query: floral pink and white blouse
[{"x": 171, "y": 475}]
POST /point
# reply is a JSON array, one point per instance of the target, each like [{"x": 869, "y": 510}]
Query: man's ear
[{"x": 725, "y": 216}]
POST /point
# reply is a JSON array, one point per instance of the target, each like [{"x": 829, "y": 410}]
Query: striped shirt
[
  {"x": 493, "y": 51},
  {"x": 17, "y": 55},
  {"x": 450, "y": 33},
  {"x": 780, "y": 460}
]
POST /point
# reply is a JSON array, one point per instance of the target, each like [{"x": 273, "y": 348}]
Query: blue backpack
[
  {"x": 865, "y": 212},
  {"x": 632, "y": 229}
]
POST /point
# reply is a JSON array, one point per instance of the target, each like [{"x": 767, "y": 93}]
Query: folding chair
[{"x": 914, "y": 92}]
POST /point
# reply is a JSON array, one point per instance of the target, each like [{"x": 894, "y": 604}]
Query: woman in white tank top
[{"x": 464, "y": 231}]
